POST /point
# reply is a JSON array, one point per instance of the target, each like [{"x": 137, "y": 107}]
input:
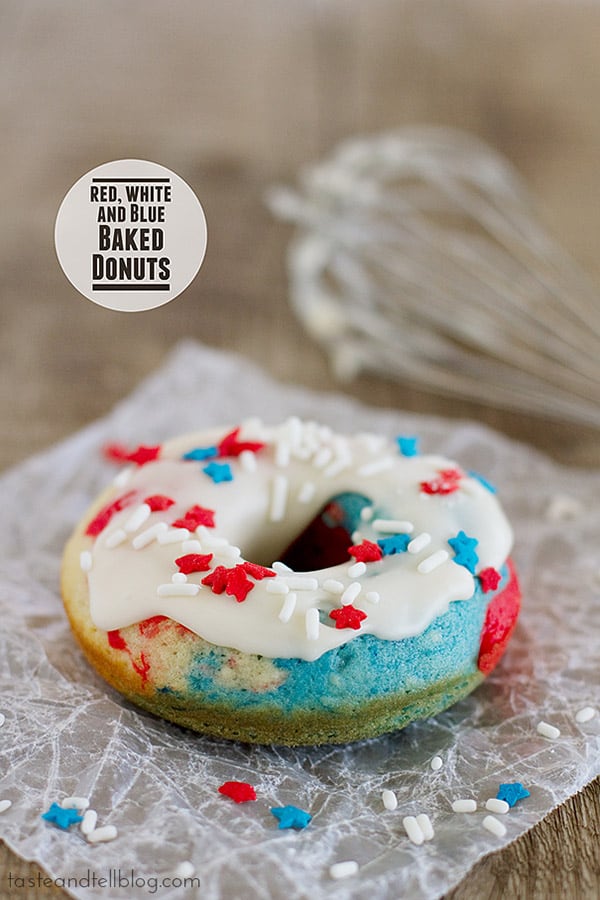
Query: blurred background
[{"x": 236, "y": 96}]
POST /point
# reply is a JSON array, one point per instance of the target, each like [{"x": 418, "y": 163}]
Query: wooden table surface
[{"x": 234, "y": 96}]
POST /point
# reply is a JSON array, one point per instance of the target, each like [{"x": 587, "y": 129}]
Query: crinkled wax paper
[{"x": 67, "y": 733}]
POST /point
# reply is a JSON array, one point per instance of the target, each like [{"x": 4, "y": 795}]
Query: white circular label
[{"x": 130, "y": 235}]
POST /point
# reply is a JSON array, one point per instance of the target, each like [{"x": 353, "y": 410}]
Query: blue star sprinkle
[
  {"x": 512, "y": 792},
  {"x": 487, "y": 484},
  {"x": 218, "y": 472},
  {"x": 464, "y": 551},
  {"x": 408, "y": 446},
  {"x": 397, "y": 543},
  {"x": 64, "y": 818},
  {"x": 201, "y": 453},
  {"x": 291, "y": 816}
]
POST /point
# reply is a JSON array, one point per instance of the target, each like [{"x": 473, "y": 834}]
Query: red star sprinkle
[
  {"x": 217, "y": 580},
  {"x": 230, "y": 446},
  {"x": 489, "y": 579},
  {"x": 195, "y": 516},
  {"x": 348, "y": 617},
  {"x": 446, "y": 482},
  {"x": 158, "y": 502},
  {"x": 185, "y": 522},
  {"x": 101, "y": 519},
  {"x": 233, "y": 581},
  {"x": 141, "y": 455},
  {"x": 238, "y": 584},
  {"x": 240, "y": 791},
  {"x": 258, "y": 572},
  {"x": 366, "y": 552},
  {"x": 194, "y": 562}
]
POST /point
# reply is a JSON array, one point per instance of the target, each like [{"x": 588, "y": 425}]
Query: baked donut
[{"x": 391, "y": 596}]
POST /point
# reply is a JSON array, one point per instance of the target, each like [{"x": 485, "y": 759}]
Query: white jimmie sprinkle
[
  {"x": 179, "y": 578},
  {"x": 351, "y": 593},
  {"x": 88, "y": 823},
  {"x": 378, "y": 465},
  {"x": 307, "y": 492},
  {"x": 343, "y": 869},
  {"x": 299, "y": 583},
  {"x": 210, "y": 540},
  {"x": 75, "y": 803},
  {"x": 4, "y": 805},
  {"x": 287, "y": 610},
  {"x": 332, "y": 586},
  {"x": 389, "y": 799},
  {"x": 247, "y": 460},
  {"x": 338, "y": 465},
  {"x": 419, "y": 543},
  {"x": 185, "y": 869},
  {"x": 102, "y": 835},
  {"x": 424, "y": 823},
  {"x": 322, "y": 457},
  {"x": 282, "y": 454},
  {"x": 149, "y": 535},
  {"x": 312, "y": 624},
  {"x": 366, "y": 513},
  {"x": 303, "y": 451},
  {"x": 138, "y": 517},
  {"x": 115, "y": 538},
  {"x": 432, "y": 562},
  {"x": 413, "y": 830},
  {"x": 494, "y": 825},
  {"x": 85, "y": 560},
  {"x": 228, "y": 551},
  {"x": 278, "y": 498},
  {"x": 548, "y": 731},
  {"x": 497, "y": 806},
  {"x": 281, "y": 568},
  {"x": 585, "y": 714},
  {"x": 293, "y": 429},
  {"x": 178, "y": 590},
  {"x": 464, "y": 806},
  {"x": 357, "y": 569},
  {"x": 392, "y": 526},
  {"x": 173, "y": 535},
  {"x": 277, "y": 586},
  {"x": 191, "y": 547},
  {"x": 373, "y": 596}
]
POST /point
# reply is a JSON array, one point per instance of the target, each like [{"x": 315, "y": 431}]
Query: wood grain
[{"x": 235, "y": 97}]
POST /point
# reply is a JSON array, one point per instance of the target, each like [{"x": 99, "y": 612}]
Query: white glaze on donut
[{"x": 123, "y": 581}]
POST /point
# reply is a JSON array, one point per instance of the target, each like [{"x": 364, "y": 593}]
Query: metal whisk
[{"x": 417, "y": 256}]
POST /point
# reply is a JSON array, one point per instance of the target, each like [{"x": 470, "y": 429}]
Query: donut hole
[{"x": 324, "y": 542}]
